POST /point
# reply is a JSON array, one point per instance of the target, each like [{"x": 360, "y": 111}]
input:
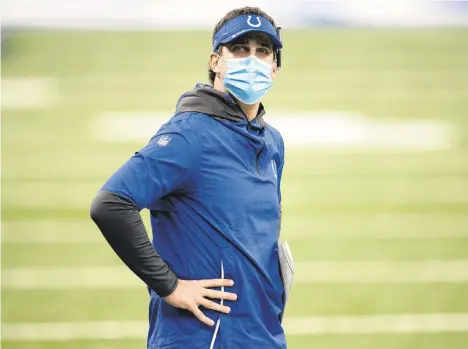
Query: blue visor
[{"x": 243, "y": 24}]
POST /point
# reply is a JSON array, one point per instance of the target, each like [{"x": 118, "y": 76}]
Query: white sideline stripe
[
  {"x": 28, "y": 92},
  {"x": 321, "y": 130},
  {"x": 366, "y": 324},
  {"x": 306, "y": 272}
]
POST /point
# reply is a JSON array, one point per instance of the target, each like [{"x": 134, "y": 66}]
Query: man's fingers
[
  {"x": 215, "y": 306},
  {"x": 200, "y": 316},
  {"x": 216, "y": 283},
  {"x": 220, "y": 295}
]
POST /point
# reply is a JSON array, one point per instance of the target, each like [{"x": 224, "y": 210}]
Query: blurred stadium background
[{"x": 373, "y": 104}]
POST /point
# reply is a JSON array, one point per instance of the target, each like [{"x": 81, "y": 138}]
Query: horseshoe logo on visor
[{"x": 254, "y": 25}]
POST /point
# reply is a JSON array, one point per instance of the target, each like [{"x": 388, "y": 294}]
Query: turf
[{"x": 345, "y": 206}]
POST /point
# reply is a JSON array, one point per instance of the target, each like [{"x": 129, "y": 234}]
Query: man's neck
[{"x": 250, "y": 111}]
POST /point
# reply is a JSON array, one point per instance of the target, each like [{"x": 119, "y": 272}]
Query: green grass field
[{"x": 340, "y": 207}]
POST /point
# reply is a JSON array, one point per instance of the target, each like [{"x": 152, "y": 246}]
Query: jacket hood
[{"x": 219, "y": 105}]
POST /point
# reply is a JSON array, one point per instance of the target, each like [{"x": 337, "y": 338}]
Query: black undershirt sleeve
[{"x": 120, "y": 222}]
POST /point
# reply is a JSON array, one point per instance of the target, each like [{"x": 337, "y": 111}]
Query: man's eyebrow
[
  {"x": 265, "y": 44},
  {"x": 263, "y": 41},
  {"x": 260, "y": 39},
  {"x": 240, "y": 41}
]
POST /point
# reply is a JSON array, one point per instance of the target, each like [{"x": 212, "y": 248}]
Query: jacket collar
[{"x": 219, "y": 105}]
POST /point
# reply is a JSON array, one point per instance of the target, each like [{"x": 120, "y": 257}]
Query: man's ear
[
  {"x": 274, "y": 71},
  {"x": 214, "y": 62}
]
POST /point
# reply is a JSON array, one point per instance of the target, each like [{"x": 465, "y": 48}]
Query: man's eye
[{"x": 238, "y": 48}]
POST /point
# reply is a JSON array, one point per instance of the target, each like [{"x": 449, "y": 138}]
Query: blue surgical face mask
[{"x": 248, "y": 79}]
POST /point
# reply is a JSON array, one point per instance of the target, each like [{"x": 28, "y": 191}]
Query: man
[{"x": 211, "y": 180}]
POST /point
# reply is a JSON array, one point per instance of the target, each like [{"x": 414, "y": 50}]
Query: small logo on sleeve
[{"x": 163, "y": 141}]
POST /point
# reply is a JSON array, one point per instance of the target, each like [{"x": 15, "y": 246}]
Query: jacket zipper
[{"x": 257, "y": 157}]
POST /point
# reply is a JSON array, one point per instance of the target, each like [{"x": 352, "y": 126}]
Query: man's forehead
[{"x": 259, "y": 37}]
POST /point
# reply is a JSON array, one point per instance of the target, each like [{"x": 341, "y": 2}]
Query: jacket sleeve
[
  {"x": 120, "y": 222},
  {"x": 168, "y": 163}
]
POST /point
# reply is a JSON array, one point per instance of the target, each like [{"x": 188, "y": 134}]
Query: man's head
[{"x": 241, "y": 33}]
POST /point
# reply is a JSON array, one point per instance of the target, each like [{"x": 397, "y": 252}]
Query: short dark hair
[{"x": 231, "y": 15}]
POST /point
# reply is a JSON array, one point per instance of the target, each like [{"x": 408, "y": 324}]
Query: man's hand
[{"x": 191, "y": 294}]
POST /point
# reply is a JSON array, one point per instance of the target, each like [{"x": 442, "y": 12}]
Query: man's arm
[
  {"x": 164, "y": 165},
  {"x": 120, "y": 222},
  {"x": 167, "y": 164}
]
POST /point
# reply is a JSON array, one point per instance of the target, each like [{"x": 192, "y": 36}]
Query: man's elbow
[{"x": 97, "y": 209}]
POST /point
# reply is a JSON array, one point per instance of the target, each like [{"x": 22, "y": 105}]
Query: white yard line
[
  {"x": 453, "y": 271},
  {"x": 306, "y": 272},
  {"x": 52, "y": 238},
  {"x": 51, "y": 232},
  {"x": 75, "y": 330},
  {"x": 65, "y": 237},
  {"x": 373, "y": 324},
  {"x": 338, "y": 130},
  {"x": 29, "y": 92},
  {"x": 305, "y": 235},
  {"x": 85, "y": 231},
  {"x": 318, "y": 325},
  {"x": 69, "y": 278}
]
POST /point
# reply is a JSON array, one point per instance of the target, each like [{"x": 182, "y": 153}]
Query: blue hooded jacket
[{"x": 211, "y": 181}]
